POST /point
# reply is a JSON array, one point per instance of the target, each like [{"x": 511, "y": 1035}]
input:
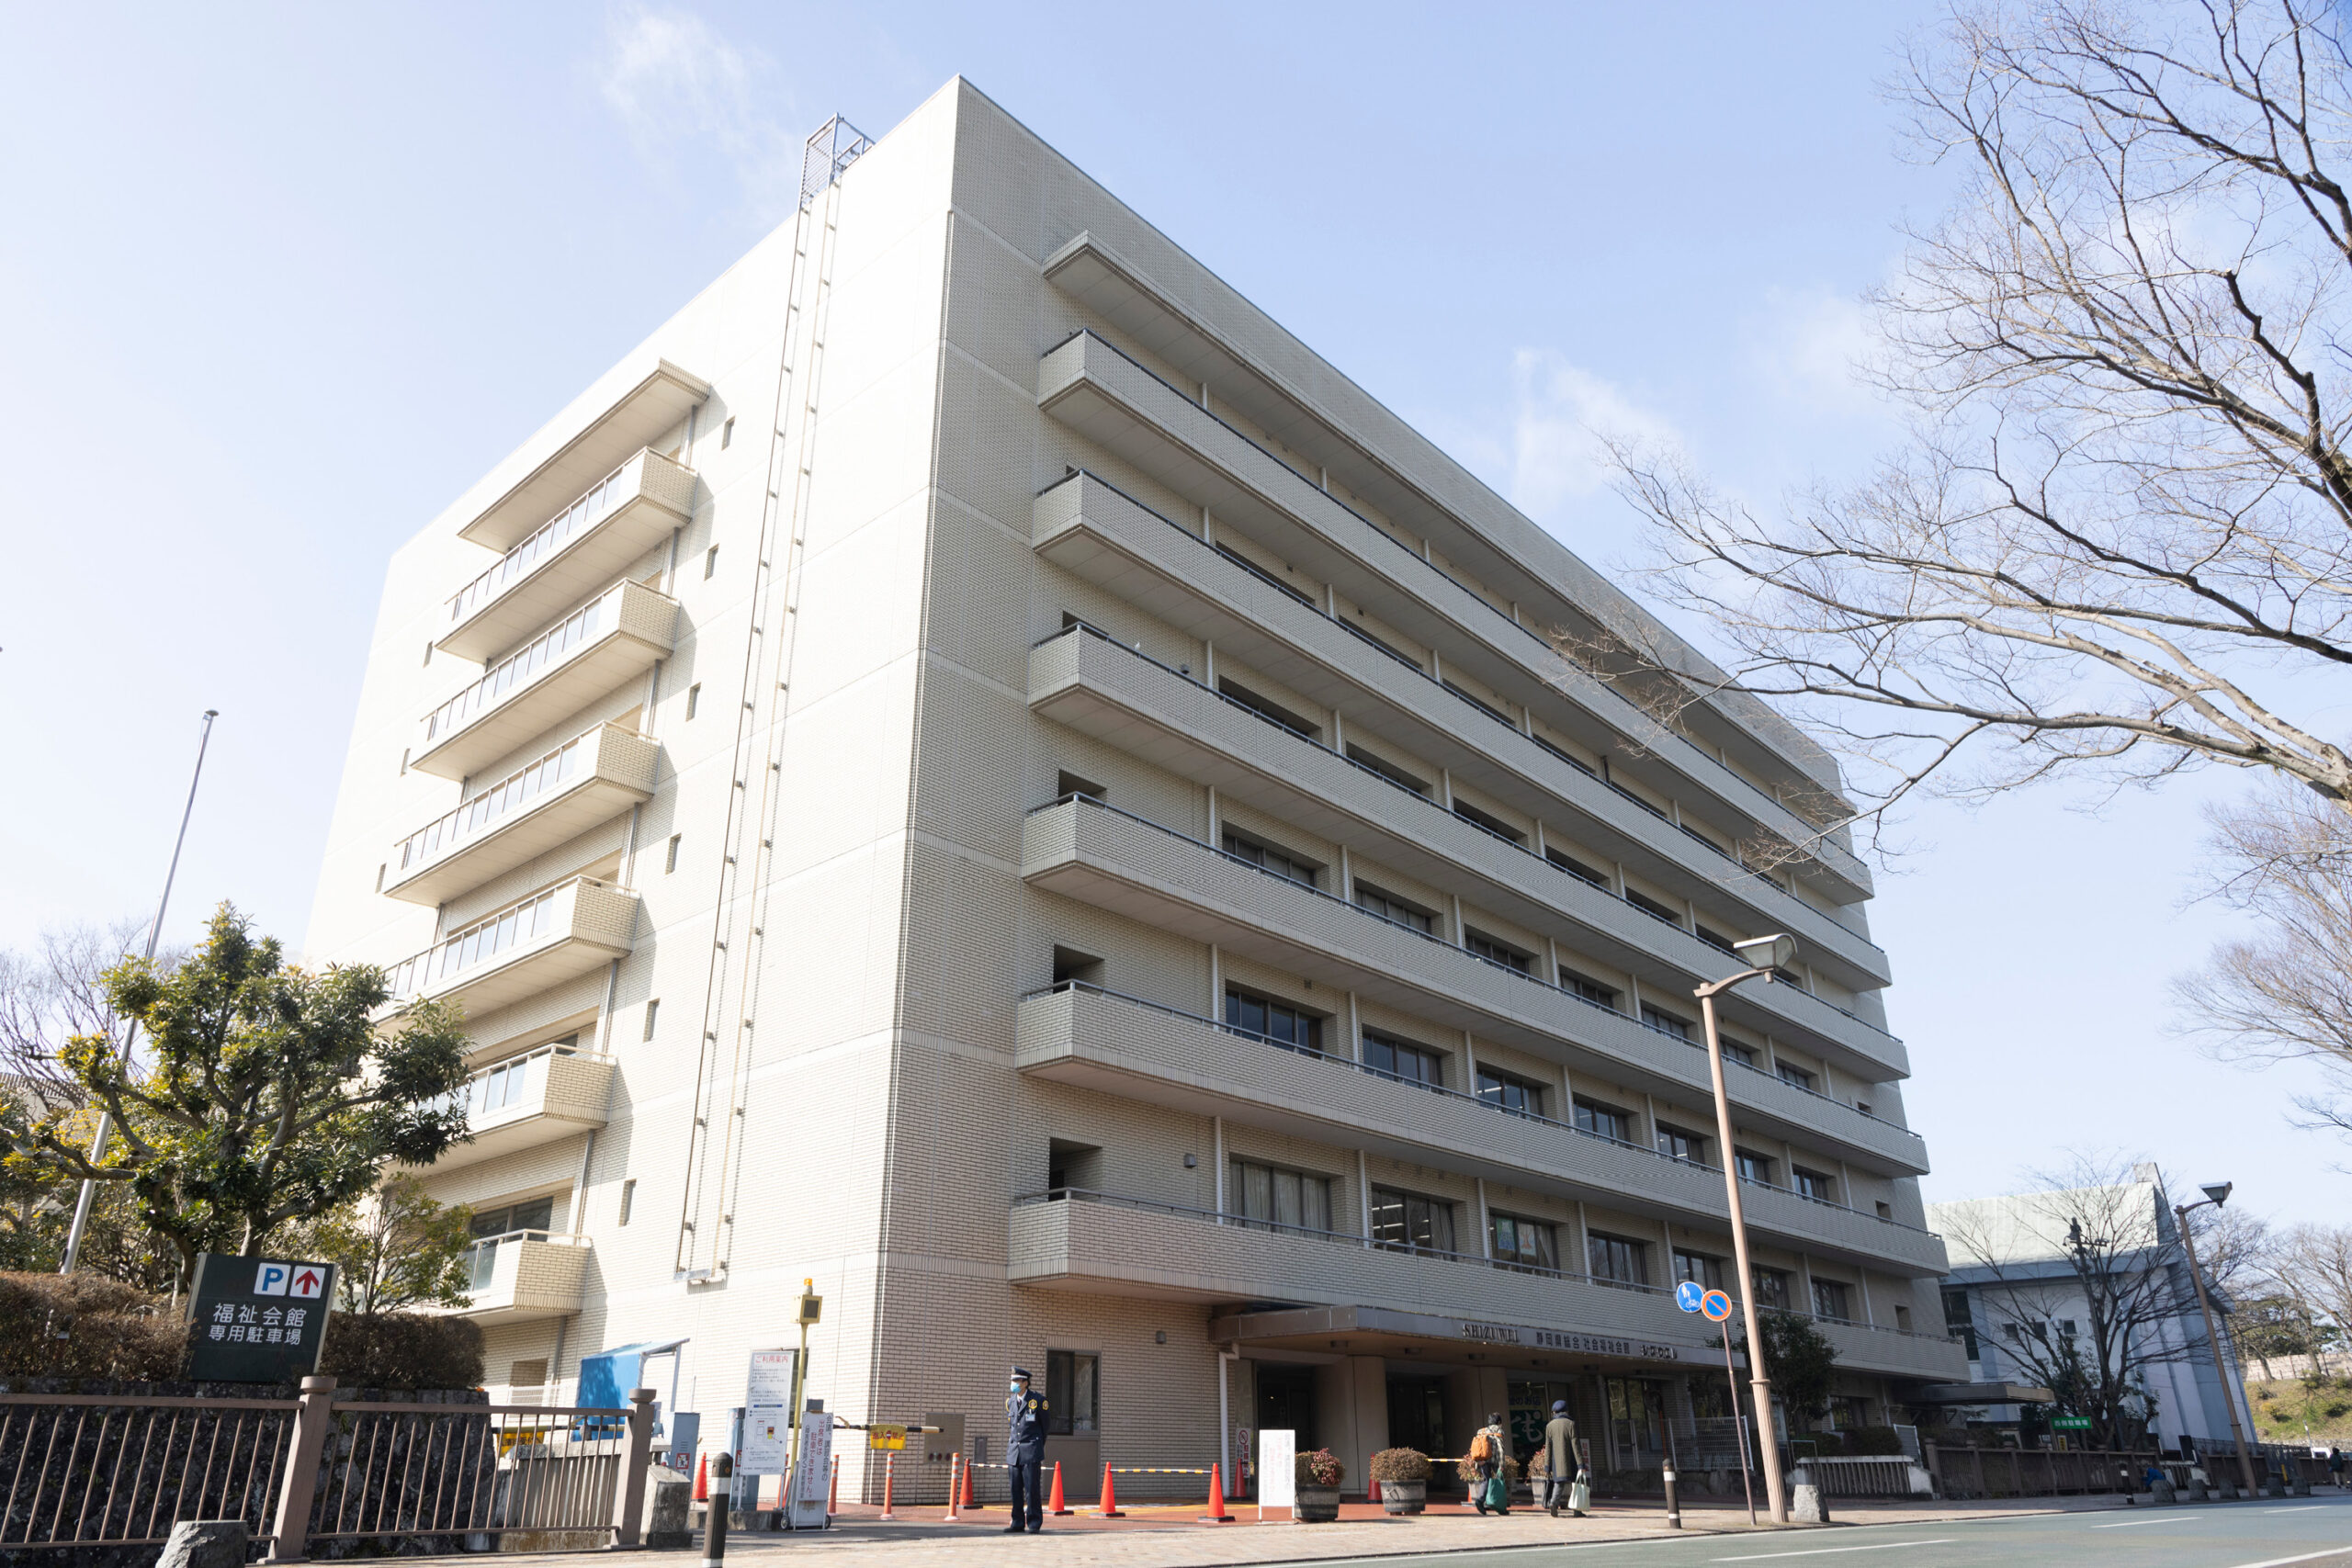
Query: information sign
[
  {"x": 886, "y": 1436},
  {"x": 767, "y": 1414},
  {"x": 1687, "y": 1294},
  {"x": 1277, "y": 1477},
  {"x": 257, "y": 1319},
  {"x": 812, "y": 1482},
  {"x": 2070, "y": 1423}
]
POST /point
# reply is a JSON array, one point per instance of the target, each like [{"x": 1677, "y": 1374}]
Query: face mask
[{"x": 1014, "y": 1386}]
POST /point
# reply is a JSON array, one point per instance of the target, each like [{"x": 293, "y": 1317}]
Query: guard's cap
[
  {"x": 1021, "y": 1372},
  {"x": 1559, "y": 1408}
]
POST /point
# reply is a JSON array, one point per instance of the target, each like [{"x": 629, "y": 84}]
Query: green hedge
[{"x": 403, "y": 1351}]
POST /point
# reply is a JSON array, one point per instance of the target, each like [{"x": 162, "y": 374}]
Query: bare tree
[
  {"x": 2284, "y": 993},
  {"x": 2118, "y": 537},
  {"x": 50, "y": 995},
  {"x": 2084, "y": 1274},
  {"x": 2313, "y": 1264}
]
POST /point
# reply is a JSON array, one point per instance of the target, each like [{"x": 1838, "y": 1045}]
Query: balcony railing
[
  {"x": 1481, "y": 1101},
  {"x": 492, "y": 806},
  {"x": 521, "y": 665},
  {"x": 1729, "y": 787},
  {"x": 1552, "y": 866},
  {"x": 527, "y": 557},
  {"x": 481, "y": 1257},
  {"x": 515, "y": 1082},
  {"x": 482, "y": 946}
]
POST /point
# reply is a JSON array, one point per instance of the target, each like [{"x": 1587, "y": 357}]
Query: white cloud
[
  {"x": 676, "y": 84},
  {"x": 1560, "y": 414},
  {"x": 1807, "y": 346}
]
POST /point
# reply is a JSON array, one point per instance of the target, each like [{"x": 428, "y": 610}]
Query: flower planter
[
  {"x": 1317, "y": 1505},
  {"x": 1404, "y": 1496}
]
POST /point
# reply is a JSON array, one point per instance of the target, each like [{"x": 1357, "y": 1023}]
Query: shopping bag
[
  {"x": 1498, "y": 1492},
  {"x": 1580, "y": 1494}
]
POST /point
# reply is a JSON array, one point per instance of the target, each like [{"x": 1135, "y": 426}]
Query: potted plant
[
  {"x": 1404, "y": 1477},
  {"x": 1318, "y": 1477}
]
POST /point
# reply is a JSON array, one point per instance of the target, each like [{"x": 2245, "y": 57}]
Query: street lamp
[
  {"x": 2216, "y": 1194},
  {"x": 1764, "y": 953}
]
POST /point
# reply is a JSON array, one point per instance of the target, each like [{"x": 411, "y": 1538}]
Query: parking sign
[{"x": 258, "y": 1320}]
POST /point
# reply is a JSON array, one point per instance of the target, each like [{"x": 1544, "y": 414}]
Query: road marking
[
  {"x": 1826, "y": 1551},
  {"x": 2298, "y": 1508},
  {"x": 2306, "y": 1557},
  {"x": 2135, "y": 1524}
]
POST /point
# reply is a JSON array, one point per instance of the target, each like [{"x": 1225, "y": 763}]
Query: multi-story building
[
  {"x": 2026, "y": 1268},
  {"x": 974, "y": 767}
]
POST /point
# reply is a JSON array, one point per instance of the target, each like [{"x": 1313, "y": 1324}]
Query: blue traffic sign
[
  {"x": 1689, "y": 1294},
  {"x": 1716, "y": 1306}
]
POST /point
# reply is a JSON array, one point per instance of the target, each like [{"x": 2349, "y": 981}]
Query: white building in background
[
  {"x": 2015, "y": 1284},
  {"x": 973, "y": 767}
]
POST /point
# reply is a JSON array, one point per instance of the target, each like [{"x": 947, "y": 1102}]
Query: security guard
[{"x": 1024, "y": 1454}]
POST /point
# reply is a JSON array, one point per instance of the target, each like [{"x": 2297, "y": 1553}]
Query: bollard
[
  {"x": 1216, "y": 1513},
  {"x": 1108, "y": 1506},
  {"x": 834, "y": 1490},
  {"x": 955, "y": 1484},
  {"x": 889, "y": 1475},
  {"x": 1673, "y": 1508},
  {"x": 1054, "y": 1503},
  {"x": 714, "y": 1529}
]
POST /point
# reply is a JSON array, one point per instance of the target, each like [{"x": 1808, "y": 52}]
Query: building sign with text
[{"x": 257, "y": 1319}]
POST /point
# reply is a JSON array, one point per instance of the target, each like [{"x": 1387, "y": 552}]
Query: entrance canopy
[{"x": 1314, "y": 1332}]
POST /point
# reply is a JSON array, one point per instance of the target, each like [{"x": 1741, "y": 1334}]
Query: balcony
[
  {"x": 522, "y": 949},
  {"x": 537, "y": 1098},
  {"x": 1099, "y": 533},
  {"x": 1138, "y": 1050},
  {"x": 525, "y": 1275},
  {"x": 1096, "y": 854},
  {"x": 1083, "y": 678},
  {"x": 1103, "y": 1245},
  {"x": 1095, "y": 389},
  {"x": 639, "y": 416},
  {"x": 590, "y": 778},
  {"x": 613, "y": 638},
  {"x": 599, "y": 536}
]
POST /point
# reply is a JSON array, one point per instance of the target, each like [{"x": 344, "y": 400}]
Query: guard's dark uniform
[{"x": 1024, "y": 1454}]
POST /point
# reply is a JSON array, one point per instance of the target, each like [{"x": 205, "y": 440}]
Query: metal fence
[
  {"x": 2036, "y": 1472},
  {"x": 315, "y": 1477}
]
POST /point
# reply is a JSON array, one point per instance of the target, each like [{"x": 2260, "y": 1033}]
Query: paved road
[{"x": 2315, "y": 1532}]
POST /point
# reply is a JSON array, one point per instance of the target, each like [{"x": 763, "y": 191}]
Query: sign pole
[
  {"x": 1739, "y": 1427},
  {"x": 813, "y": 1306}
]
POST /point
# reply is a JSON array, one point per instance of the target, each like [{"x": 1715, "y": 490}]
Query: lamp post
[
  {"x": 1766, "y": 954},
  {"x": 2216, "y": 1194}
]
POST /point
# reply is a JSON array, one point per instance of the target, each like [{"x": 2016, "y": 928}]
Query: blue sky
[{"x": 276, "y": 283}]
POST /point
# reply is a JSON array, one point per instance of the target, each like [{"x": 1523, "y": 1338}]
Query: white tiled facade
[{"x": 963, "y": 494}]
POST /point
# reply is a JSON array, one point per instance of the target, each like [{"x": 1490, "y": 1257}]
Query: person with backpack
[{"x": 1490, "y": 1486}]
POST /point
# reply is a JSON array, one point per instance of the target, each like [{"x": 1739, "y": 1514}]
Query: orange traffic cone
[
  {"x": 971, "y": 1499},
  {"x": 1216, "y": 1513},
  {"x": 702, "y": 1480},
  {"x": 955, "y": 1484},
  {"x": 1054, "y": 1503},
  {"x": 1109, "y": 1507}
]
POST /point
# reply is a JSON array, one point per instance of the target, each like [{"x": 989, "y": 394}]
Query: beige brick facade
[{"x": 963, "y": 491}]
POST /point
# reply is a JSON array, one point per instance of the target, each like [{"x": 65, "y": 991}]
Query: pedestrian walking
[
  {"x": 1491, "y": 1484},
  {"x": 1024, "y": 1454},
  {"x": 1559, "y": 1460},
  {"x": 2335, "y": 1465}
]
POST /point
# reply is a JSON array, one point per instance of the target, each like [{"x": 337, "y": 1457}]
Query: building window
[
  {"x": 1481, "y": 703},
  {"x": 1698, "y": 1267},
  {"x": 1526, "y": 1246},
  {"x": 1277, "y": 1022},
  {"x": 1754, "y": 1167},
  {"x": 693, "y": 698},
  {"x": 1666, "y": 1022},
  {"x": 1903, "y": 1318},
  {"x": 709, "y": 562},
  {"x": 1490, "y": 821},
  {"x": 1616, "y": 1259},
  {"x": 381, "y": 867},
  {"x": 1495, "y": 951},
  {"x": 1649, "y": 905},
  {"x": 1579, "y": 763},
  {"x": 1959, "y": 1322},
  {"x": 1676, "y": 1144},
  {"x": 670, "y": 863},
  {"x": 1588, "y": 989},
  {"x": 628, "y": 1197},
  {"x": 1266, "y": 707},
  {"x": 1849, "y": 1413},
  {"x": 1605, "y": 1120},
  {"x": 428, "y": 651},
  {"x": 1387, "y": 769},
  {"x": 1577, "y": 868},
  {"x": 1885, "y": 1210},
  {"x": 1772, "y": 1287},
  {"x": 1266, "y": 857},
  {"x": 1814, "y": 1183},
  {"x": 1400, "y": 911},
  {"x": 531, "y": 1215},
  {"x": 727, "y": 433},
  {"x": 1791, "y": 1073},
  {"x": 1072, "y": 1397},
  {"x": 1735, "y": 1052},
  {"x": 1067, "y": 784},
  {"x": 1409, "y": 1222},
  {"x": 652, "y": 1012},
  {"x": 1261, "y": 573},
  {"x": 1510, "y": 1092},
  {"x": 1269, "y": 1197},
  {"x": 1833, "y": 1298},
  {"x": 1717, "y": 941},
  {"x": 1403, "y": 1060}
]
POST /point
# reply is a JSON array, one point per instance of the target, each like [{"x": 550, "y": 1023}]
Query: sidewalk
[{"x": 1169, "y": 1536}]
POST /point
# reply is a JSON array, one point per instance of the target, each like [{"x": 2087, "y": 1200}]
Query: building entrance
[
  {"x": 1416, "y": 1418},
  {"x": 1287, "y": 1399}
]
